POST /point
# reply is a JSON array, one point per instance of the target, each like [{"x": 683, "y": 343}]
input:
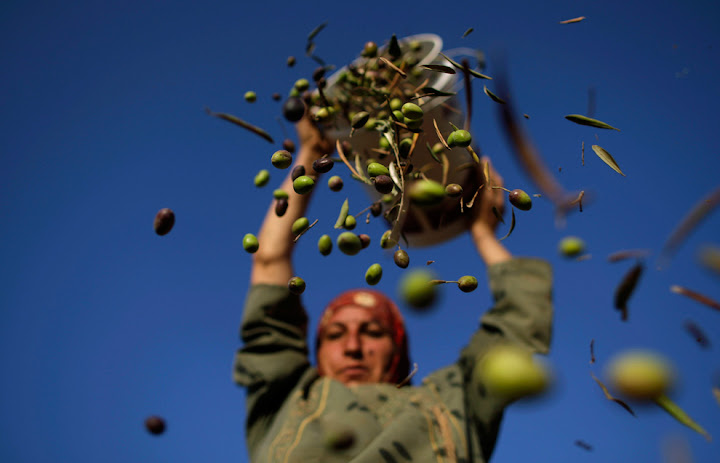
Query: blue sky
[{"x": 103, "y": 323}]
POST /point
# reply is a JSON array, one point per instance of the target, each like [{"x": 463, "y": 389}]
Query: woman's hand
[
  {"x": 312, "y": 139},
  {"x": 486, "y": 217}
]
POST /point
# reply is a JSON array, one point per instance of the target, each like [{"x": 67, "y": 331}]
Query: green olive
[
  {"x": 291, "y": 61},
  {"x": 350, "y": 222},
  {"x": 520, "y": 199},
  {"x": 250, "y": 96},
  {"x": 296, "y": 285},
  {"x": 375, "y": 168},
  {"x": 438, "y": 148},
  {"x": 461, "y": 138},
  {"x": 641, "y": 375},
  {"x": 398, "y": 115},
  {"x": 395, "y": 104},
  {"x": 413, "y": 124},
  {"x": 401, "y": 258},
  {"x": 467, "y": 284},
  {"x": 426, "y": 192},
  {"x": 571, "y": 246},
  {"x": 325, "y": 245},
  {"x": 370, "y": 50},
  {"x": 280, "y": 194},
  {"x": 303, "y": 184},
  {"x": 349, "y": 243},
  {"x": 302, "y": 84},
  {"x": 383, "y": 143},
  {"x": 511, "y": 372},
  {"x": 335, "y": 183},
  {"x": 359, "y": 120},
  {"x": 373, "y": 274},
  {"x": 417, "y": 289},
  {"x": 281, "y": 159},
  {"x": 250, "y": 243},
  {"x": 300, "y": 225},
  {"x": 412, "y": 111},
  {"x": 385, "y": 241},
  {"x": 404, "y": 147}
]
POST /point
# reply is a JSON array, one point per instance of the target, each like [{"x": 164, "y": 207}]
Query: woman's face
[{"x": 355, "y": 347}]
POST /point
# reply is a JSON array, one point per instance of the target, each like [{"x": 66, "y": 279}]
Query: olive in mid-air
[
  {"x": 294, "y": 109},
  {"x": 401, "y": 258},
  {"x": 155, "y": 425},
  {"x": 296, "y": 285},
  {"x": 164, "y": 221},
  {"x": 323, "y": 165},
  {"x": 520, "y": 199}
]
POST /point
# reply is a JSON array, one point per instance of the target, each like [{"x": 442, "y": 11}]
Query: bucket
[{"x": 423, "y": 226}]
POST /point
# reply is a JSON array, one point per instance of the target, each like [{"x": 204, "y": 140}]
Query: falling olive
[
  {"x": 325, "y": 245},
  {"x": 335, "y": 183},
  {"x": 511, "y": 372},
  {"x": 280, "y": 194},
  {"x": 460, "y": 138},
  {"x": 454, "y": 190},
  {"x": 289, "y": 145},
  {"x": 395, "y": 104},
  {"x": 640, "y": 374},
  {"x": 401, "y": 258},
  {"x": 417, "y": 289},
  {"x": 383, "y": 184},
  {"x": 262, "y": 178},
  {"x": 364, "y": 240},
  {"x": 412, "y": 111},
  {"x": 359, "y": 119},
  {"x": 373, "y": 274},
  {"x": 350, "y": 222},
  {"x": 155, "y": 425},
  {"x": 520, "y": 199},
  {"x": 250, "y": 96},
  {"x": 296, "y": 285},
  {"x": 294, "y": 109},
  {"x": 375, "y": 168},
  {"x": 291, "y": 61},
  {"x": 426, "y": 192},
  {"x": 370, "y": 50},
  {"x": 281, "y": 159},
  {"x": 404, "y": 147},
  {"x": 349, "y": 243},
  {"x": 385, "y": 241},
  {"x": 376, "y": 208},
  {"x": 467, "y": 284},
  {"x": 571, "y": 246},
  {"x": 276, "y": 96},
  {"x": 250, "y": 243},
  {"x": 281, "y": 206},
  {"x": 323, "y": 165},
  {"x": 297, "y": 171},
  {"x": 303, "y": 184},
  {"x": 302, "y": 84},
  {"x": 300, "y": 225},
  {"x": 164, "y": 221}
]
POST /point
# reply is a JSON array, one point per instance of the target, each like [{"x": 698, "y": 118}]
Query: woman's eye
[{"x": 333, "y": 335}]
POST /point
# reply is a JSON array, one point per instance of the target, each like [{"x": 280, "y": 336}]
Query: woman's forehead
[{"x": 353, "y": 314}]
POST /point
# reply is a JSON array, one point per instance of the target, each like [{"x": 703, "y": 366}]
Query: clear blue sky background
[{"x": 102, "y": 322}]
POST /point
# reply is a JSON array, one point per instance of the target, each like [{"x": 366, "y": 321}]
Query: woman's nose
[{"x": 353, "y": 346}]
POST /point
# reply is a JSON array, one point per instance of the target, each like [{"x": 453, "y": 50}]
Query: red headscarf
[{"x": 386, "y": 312}]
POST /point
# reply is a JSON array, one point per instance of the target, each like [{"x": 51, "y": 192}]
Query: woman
[{"x": 349, "y": 408}]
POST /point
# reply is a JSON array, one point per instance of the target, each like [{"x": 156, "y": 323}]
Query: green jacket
[{"x": 292, "y": 411}]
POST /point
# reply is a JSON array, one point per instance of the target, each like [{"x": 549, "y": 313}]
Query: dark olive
[
  {"x": 335, "y": 183},
  {"x": 520, "y": 199},
  {"x": 297, "y": 171},
  {"x": 276, "y": 96},
  {"x": 294, "y": 109},
  {"x": 376, "y": 209},
  {"x": 383, "y": 184},
  {"x": 155, "y": 425},
  {"x": 323, "y": 165},
  {"x": 296, "y": 285},
  {"x": 291, "y": 61},
  {"x": 164, "y": 221},
  {"x": 453, "y": 190},
  {"x": 364, "y": 240},
  {"x": 318, "y": 73},
  {"x": 281, "y": 206},
  {"x": 289, "y": 145},
  {"x": 401, "y": 258},
  {"x": 468, "y": 283}
]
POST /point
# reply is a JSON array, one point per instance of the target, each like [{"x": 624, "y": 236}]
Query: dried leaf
[
  {"x": 344, "y": 209},
  {"x": 610, "y": 397},
  {"x": 316, "y": 31},
  {"x": 393, "y": 67},
  {"x": 701, "y": 298},
  {"x": 625, "y": 289},
  {"x": 235, "y": 120},
  {"x": 584, "y": 120},
  {"x": 467, "y": 32},
  {"x": 573, "y": 20},
  {"x": 438, "y": 68},
  {"x": 699, "y": 211},
  {"x": 624, "y": 254},
  {"x": 442, "y": 139},
  {"x": 607, "y": 158},
  {"x": 339, "y": 149},
  {"x": 679, "y": 414},
  {"x": 512, "y": 224},
  {"x": 583, "y": 445},
  {"x": 492, "y": 96},
  {"x": 412, "y": 373},
  {"x": 697, "y": 334},
  {"x": 361, "y": 171},
  {"x": 461, "y": 67}
]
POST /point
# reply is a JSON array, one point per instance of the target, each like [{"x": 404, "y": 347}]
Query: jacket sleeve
[
  {"x": 521, "y": 315},
  {"x": 274, "y": 354}
]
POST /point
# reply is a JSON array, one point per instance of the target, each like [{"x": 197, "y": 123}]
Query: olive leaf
[
  {"x": 438, "y": 68},
  {"x": 610, "y": 397},
  {"x": 697, "y": 334},
  {"x": 492, "y": 96},
  {"x": 394, "y": 48},
  {"x": 316, "y": 31},
  {"x": 625, "y": 289},
  {"x": 573, "y": 20},
  {"x": 434, "y": 156},
  {"x": 343, "y": 214},
  {"x": 607, "y": 158},
  {"x": 512, "y": 224},
  {"x": 461, "y": 67},
  {"x": 467, "y": 32},
  {"x": 437, "y": 131},
  {"x": 429, "y": 91},
  {"x": 393, "y": 67},
  {"x": 584, "y": 120},
  {"x": 701, "y": 298},
  {"x": 628, "y": 254},
  {"x": 679, "y": 414},
  {"x": 245, "y": 125},
  {"x": 698, "y": 212}
]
